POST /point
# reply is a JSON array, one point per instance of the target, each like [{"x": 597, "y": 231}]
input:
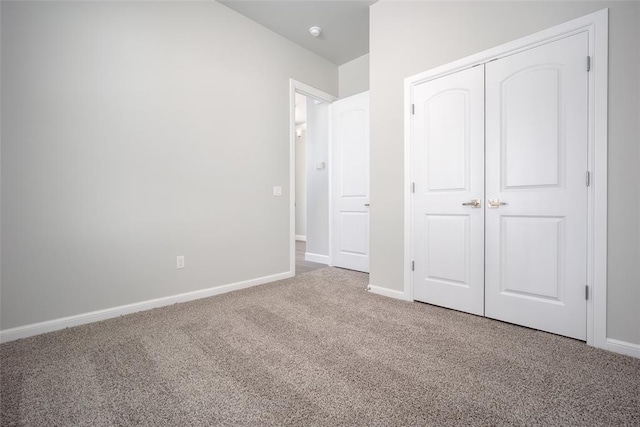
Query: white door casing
[
  {"x": 536, "y": 163},
  {"x": 448, "y": 204},
  {"x": 350, "y": 183}
]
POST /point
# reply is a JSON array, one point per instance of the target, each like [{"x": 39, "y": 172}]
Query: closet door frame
[{"x": 596, "y": 26}]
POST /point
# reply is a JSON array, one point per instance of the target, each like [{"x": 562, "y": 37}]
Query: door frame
[
  {"x": 596, "y": 26},
  {"x": 296, "y": 86}
]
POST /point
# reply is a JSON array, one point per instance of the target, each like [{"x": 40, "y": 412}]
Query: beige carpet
[{"x": 313, "y": 350}]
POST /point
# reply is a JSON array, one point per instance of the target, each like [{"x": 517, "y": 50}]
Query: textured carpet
[{"x": 313, "y": 350}]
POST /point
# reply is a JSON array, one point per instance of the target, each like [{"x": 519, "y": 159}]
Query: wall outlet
[{"x": 180, "y": 261}]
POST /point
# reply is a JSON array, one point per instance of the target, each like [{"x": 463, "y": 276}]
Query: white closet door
[
  {"x": 448, "y": 167},
  {"x": 536, "y": 164},
  {"x": 350, "y": 182}
]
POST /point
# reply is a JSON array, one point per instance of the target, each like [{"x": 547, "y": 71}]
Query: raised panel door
[
  {"x": 536, "y": 163},
  {"x": 448, "y": 169}
]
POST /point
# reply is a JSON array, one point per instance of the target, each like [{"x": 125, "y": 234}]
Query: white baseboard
[
  {"x": 301, "y": 238},
  {"x": 623, "y": 347},
  {"x": 321, "y": 259},
  {"x": 96, "y": 316},
  {"x": 387, "y": 292}
]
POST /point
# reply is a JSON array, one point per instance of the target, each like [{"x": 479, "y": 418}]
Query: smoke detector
[{"x": 315, "y": 31}]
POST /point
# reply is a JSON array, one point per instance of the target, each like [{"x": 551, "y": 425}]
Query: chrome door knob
[
  {"x": 495, "y": 203},
  {"x": 474, "y": 203}
]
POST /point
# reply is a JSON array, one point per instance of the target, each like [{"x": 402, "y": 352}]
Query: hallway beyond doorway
[{"x": 303, "y": 266}]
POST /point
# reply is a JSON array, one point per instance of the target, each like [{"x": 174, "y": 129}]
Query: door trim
[
  {"x": 304, "y": 89},
  {"x": 596, "y": 26}
]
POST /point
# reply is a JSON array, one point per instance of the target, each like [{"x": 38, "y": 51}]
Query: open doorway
[
  {"x": 311, "y": 186},
  {"x": 309, "y": 180},
  {"x": 302, "y": 265}
]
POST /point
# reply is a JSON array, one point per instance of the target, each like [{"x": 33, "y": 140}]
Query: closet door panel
[
  {"x": 536, "y": 164},
  {"x": 448, "y": 167}
]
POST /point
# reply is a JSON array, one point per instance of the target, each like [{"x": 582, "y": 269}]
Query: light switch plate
[
  {"x": 319, "y": 165},
  {"x": 277, "y": 191}
]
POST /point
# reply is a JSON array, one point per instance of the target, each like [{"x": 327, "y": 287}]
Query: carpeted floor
[{"x": 313, "y": 350}]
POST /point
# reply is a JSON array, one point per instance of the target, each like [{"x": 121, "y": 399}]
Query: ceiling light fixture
[{"x": 315, "y": 31}]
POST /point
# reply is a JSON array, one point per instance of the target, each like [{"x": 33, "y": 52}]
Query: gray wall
[
  {"x": 317, "y": 179},
  {"x": 411, "y": 37},
  {"x": 353, "y": 77},
  {"x": 301, "y": 183},
  {"x": 133, "y": 132}
]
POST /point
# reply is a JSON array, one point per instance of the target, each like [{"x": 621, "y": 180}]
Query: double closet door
[{"x": 499, "y": 210}]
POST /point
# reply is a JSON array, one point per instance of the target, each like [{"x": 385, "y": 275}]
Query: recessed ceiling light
[{"x": 315, "y": 31}]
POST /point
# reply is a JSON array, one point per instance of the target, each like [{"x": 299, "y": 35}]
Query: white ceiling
[{"x": 345, "y": 24}]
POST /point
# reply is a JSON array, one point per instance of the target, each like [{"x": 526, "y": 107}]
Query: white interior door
[
  {"x": 350, "y": 182},
  {"x": 448, "y": 214},
  {"x": 536, "y": 164}
]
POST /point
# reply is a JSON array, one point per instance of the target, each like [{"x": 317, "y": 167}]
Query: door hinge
[
  {"x": 588, "y": 178},
  {"x": 413, "y": 266},
  {"x": 413, "y": 187},
  {"x": 588, "y": 63},
  {"x": 586, "y": 292},
  {"x": 413, "y": 108}
]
